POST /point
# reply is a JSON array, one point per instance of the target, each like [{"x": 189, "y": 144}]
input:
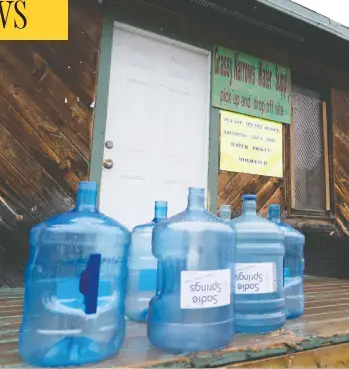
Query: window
[{"x": 309, "y": 154}]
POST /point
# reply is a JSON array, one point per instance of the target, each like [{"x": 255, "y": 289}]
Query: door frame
[{"x": 101, "y": 104}]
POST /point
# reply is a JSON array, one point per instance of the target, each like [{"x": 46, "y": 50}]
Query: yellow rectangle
[
  {"x": 34, "y": 20},
  {"x": 250, "y": 145}
]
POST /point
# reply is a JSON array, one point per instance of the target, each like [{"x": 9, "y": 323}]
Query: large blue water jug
[
  {"x": 193, "y": 307},
  {"x": 293, "y": 265},
  {"x": 142, "y": 267},
  {"x": 259, "y": 293},
  {"x": 75, "y": 283}
]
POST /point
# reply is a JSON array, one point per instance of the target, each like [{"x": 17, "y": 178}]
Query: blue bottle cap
[
  {"x": 161, "y": 204},
  {"x": 87, "y": 195},
  {"x": 249, "y": 197},
  {"x": 196, "y": 191},
  {"x": 225, "y": 207},
  {"x": 88, "y": 186},
  {"x": 274, "y": 210}
]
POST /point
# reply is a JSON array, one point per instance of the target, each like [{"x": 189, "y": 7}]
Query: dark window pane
[{"x": 308, "y": 151}]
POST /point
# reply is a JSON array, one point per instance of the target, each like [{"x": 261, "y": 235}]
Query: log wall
[
  {"x": 46, "y": 121},
  {"x": 46, "y": 90},
  {"x": 326, "y": 240}
]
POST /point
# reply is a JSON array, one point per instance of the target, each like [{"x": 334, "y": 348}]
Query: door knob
[
  {"x": 108, "y": 163},
  {"x": 109, "y": 144}
]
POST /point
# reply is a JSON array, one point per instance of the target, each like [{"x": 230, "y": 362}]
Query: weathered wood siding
[
  {"x": 271, "y": 190},
  {"x": 306, "y": 60},
  {"x": 326, "y": 248},
  {"x": 326, "y": 240},
  {"x": 46, "y": 89},
  {"x": 340, "y": 121},
  {"x": 232, "y": 185},
  {"x": 327, "y": 253}
]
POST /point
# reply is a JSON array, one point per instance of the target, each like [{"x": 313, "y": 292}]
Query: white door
[{"x": 158, "y": 121}]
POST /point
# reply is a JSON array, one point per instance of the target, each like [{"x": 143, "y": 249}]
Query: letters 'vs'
[{"x": 12, "y": 14}]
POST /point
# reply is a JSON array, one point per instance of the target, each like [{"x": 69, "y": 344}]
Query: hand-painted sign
[
  {"x": 250, "y": 145},
  {"x": 251, "y": 86}
]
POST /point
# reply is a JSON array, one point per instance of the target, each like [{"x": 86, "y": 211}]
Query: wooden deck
[{"x": 318, "y": 339}]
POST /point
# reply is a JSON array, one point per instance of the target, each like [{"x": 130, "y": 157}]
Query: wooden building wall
[
  {"x": 46, "y": 92},
  {"x": 270, "y": 190},
  {"x": 326, "y": 241},
  {"x": 340, "y": 121}
]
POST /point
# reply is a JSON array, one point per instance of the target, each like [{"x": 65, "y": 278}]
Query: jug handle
[{"x": 89, "y": 282}]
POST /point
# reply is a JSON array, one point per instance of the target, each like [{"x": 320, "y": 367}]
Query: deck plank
[
  {"x": 325, "y": 323},
  {"x": 325, "y": 357}
]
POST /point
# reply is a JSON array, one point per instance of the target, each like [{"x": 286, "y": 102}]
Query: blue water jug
[
  {"x": 293, "y": 265},
  {"x": 142, "y": 267},
  {"x": 225, "y": 212},
  {"x": 259, "y": 293},
  {"x": 193, "y": 307},
  {"x": 75, "y": 283}
]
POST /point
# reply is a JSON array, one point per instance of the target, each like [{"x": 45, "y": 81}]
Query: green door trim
[
  {"x": 213, "y": 161},
  {"x": 101, "y": 108},
  {"x": 101, "y": 98}
]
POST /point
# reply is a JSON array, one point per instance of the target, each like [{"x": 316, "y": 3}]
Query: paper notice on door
[
  {"x": 255, "y": 278},
  {"x": 205, "y": 289}
]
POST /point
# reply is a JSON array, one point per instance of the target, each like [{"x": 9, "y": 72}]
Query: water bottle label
[
  {"x": 147, "y": 280},
  {"x": 205, "y": 289},
  {"x": 255, "y": 278}
]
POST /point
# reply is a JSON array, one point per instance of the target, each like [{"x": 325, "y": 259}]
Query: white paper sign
[
  {"x": 255, "y": 278},
  {"x": 205, "y": 289}
]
